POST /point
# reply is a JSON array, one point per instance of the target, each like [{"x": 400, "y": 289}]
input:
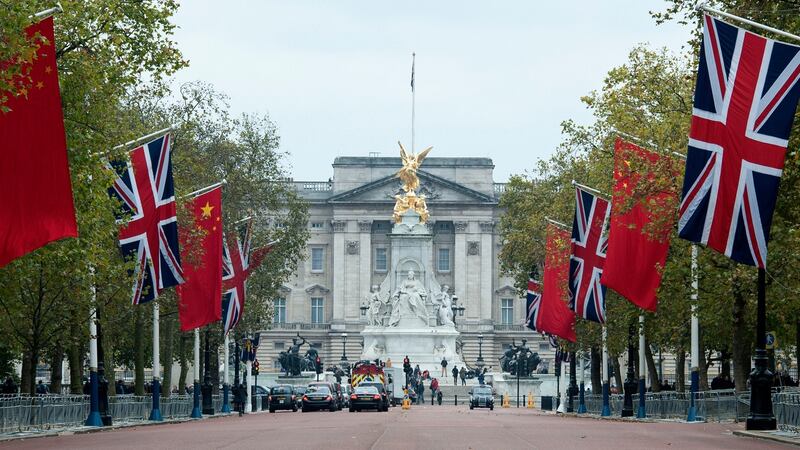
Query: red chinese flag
[
  {"x": 555, "y": 317},
  {"x": 200, "y": 296},
  {"x": 637, "y": 247},
  {"x": 35, "y": 188}
]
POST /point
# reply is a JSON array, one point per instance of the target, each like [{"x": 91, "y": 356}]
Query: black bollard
[{"x": 455, "y": 397}]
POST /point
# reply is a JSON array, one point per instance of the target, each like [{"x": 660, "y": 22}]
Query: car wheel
[
  {"x": 352, "y": 410},
  {"x": 294, "y": 409},
  {"x": 304, "y": 410},
  {"x": 471, "y": 406},
  {"x": 491, "y": 407}
]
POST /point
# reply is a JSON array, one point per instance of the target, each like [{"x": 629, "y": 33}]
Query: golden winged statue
[
  {"x": 411, "y": 162},
  {"x": 408, "y": 175}
]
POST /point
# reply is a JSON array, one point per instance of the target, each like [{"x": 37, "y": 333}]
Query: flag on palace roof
[
  {"x": 34, "y": 172},
  {"x": 148, "y": 224},
  {"x": 744, "y": 106}
]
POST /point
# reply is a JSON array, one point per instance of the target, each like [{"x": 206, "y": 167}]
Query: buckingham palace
[{"x": 350, "y": 250}]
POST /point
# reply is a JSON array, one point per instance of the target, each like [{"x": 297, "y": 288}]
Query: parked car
[
  {"x": 385, "y": 401},
  {"x": 319, "y": 397},
  {"x": 283, "y": 397},
  {"x": 332, "y": 387},
  {"x": 481, "y": 397},
  {"x": 367, "y": 397}
]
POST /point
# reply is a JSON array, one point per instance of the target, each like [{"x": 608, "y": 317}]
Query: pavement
[{"x": 421, "y": 427}]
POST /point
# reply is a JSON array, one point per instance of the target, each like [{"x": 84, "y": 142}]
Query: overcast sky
[{"x": 493, "y": 78}]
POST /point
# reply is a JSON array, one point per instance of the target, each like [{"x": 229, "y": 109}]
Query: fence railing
[
  {"x": 713, "y": 406},
  {"x": 46, "y": 412}
]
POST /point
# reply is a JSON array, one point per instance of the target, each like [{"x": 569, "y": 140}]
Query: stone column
[
  {"x": 460, "y": 262},
  {"x": 365, "y": 268},
  {"x": 337, "y": 256},
  {"x": 487, "y": 270}
]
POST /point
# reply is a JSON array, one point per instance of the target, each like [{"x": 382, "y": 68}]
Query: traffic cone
[
  {"x": 506, "y": 402},
  {"x": 530, "y": 400}
]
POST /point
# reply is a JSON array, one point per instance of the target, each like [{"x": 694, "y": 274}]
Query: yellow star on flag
[{"x": 207, "y": 210}]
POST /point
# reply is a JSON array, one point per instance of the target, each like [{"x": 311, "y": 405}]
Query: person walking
[
  {"x": 463, "y": 374},
  {"x": 455, "y": 375},
  {"x": 421, "y": 393},
  {"x": 444, "y": 367}
]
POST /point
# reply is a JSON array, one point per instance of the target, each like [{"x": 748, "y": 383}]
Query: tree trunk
[
  {"x": 741, "y": 343},
  {"x": 617, "y": 372},
  {"x": 108, "y": 364},
  {"x": 655, "y": 383},
  {"x": 169, "y": 332},
  {"x": 680, "y": 370},
  {"x": 25, "y": 378},
  {"x": 184, "y": 363},
  {"x": 138, "y": 348},
  {"x": 75, "y": 369},
  {"x": 597, "y": 373},
  {"x": 33, "y": 368},
  {"x": 56, "y": 369}
]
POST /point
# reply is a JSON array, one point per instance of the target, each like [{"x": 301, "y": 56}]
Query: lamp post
[
  {"x": 572, "y": 390},
  {"x": 208, "y": 404},
  {"x": 479, "y": 362},
  {"x": 761, "y": 416},
  {"x": 344, "y": 347},
  {"x": 458, "y": 310},
  {"x": 630, "y": 384}
]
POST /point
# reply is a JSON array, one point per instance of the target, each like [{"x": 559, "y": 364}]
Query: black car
[
  {"x": 319, "y": 397},
  {"x": 366, "y": 397},
  {"x": 381, "y": 390},
  {"x": 282, "y": 396},
  {"x": 481, "y": 397},
  {"x": 335, "y": 390}
]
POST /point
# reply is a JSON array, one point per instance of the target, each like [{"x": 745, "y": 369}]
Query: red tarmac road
[{"x": 422, "y": 427}]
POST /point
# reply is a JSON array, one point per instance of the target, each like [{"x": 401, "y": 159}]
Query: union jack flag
[
  {"x": 148, "y": 225},
  {"x": 589, "y": 244},
  {"x": 237, "y": 265},
  {"x": 744, "y": 105},
  {"x": 533, "y": 300}
]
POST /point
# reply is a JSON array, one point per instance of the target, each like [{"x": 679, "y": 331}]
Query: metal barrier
[{"x": 44, "y": 412}]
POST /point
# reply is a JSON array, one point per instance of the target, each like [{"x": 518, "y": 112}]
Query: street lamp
[
  {"x": 479, "y": 362},
  {"x": 363, "y": 309},
  {"x": 344, "y": 347},
  {"x": 458, "y": 310}
]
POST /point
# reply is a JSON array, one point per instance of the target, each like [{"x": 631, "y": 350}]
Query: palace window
[
  {"x": 317, "y": 225},
  {"x": 443, "y": 262},
  {"x": 380, "y": 259},
  {"x": 317, "y": 310},
  {"x": 278, "y": 345},
  {"x": 507, "y": 311},
  {"x": 317, "y": 258},
  {"x": 279, "y": 305}
]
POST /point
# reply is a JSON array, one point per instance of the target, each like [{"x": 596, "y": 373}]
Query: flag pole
[
  {"x": 203, "y": 190},
  {"x": 155, "y": 414},
  {"x": 590, "y": 190},
  {"x": 641, "y": 412},
  {"x": 706, "y": 8},
  {"x": 606, "y": 388},
  {"x": 651, "y": 145},
  {"x": 695, "y": 343},
  {"x": 226, "y": 387},
  {"x": 248, "y": 406},
  {"x": 41, "y": 15},
  {"x": 144, "y": 138},
  {"x": 557, "y": 223},
  {"x": 581, "y": 389},
  {"x": 413, "y": 98},
  {"x": 242, "y": 220},
  {"x": 196, "y": 414},
  {"x": 94, "y": 400}
]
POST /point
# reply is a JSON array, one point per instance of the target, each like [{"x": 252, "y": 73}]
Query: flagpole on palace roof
[
  {"x": 413, "y": 99},
  {"x": 706, "y": 8}
]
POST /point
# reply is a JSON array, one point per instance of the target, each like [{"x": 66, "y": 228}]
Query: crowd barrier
[{"x": 20, "y": 413}]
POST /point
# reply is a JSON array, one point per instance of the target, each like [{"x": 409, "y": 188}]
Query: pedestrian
[
  {"x": 238, "y": 399},
  {"x": 444, "y": 367},
  {"x": 434, "y": 385},
  {"x": 420, "y": 392},
  {"x": 455, "y": 375},
  {"x": 417, "y": 372},
  {"x": 41, "y": 389},
  {"x": 482, "y": 376},
  {"x": 9, "y": 387},
  {"x": 463, "y": 374}
]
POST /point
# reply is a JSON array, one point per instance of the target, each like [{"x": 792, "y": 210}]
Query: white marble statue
[
  {"x": 375, "y": 306},
  {"x": 444, "y": 306},
  {"x": 409, "y": 300}
]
